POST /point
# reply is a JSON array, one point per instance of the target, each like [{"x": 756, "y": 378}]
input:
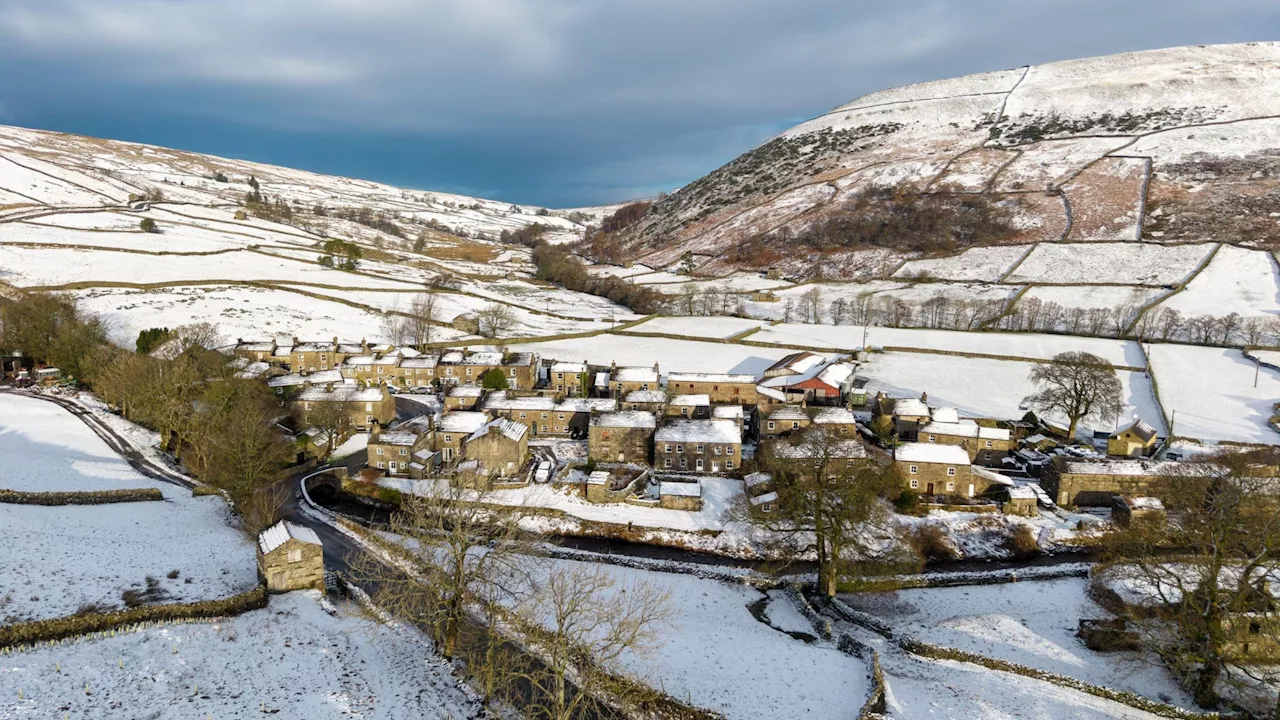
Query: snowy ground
[
  {"x": 1021, "y": 345},
  {"x": 985, "y": 388},
  {"x": 672, "y": 355},
  {"x": 1114, "y": 263},
  {"x": 290, "y": 660},
  {"x": 987, "y": 264},
  {"x": 1210, "y": 395},
  {"x": 696, "y": 327},
  {"x": 46, "y": 449},
  {"x": 1236, "y": 280},
  {"x": 716, "y": 655},
  {"x": 1032, "y": 623}
]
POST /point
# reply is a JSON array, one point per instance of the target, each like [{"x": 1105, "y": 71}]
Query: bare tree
[
  {"x": 1228, "y": 327},
  {"x": 1203, "y": 329},
  {"x": 1169, "y": 323},
  {"x": 332, "y": 418},
  {"x": 580, "y": 623},
  {"x": 828, "y": 497},
  {"x": 495, "y": 320},
  {"x": 462, "y": 555},
  {"x": 1209, "y": 607},
  {"x": 1078, "y": 385},
  {"x": 1120, "y": 318},
  {"x": 1253, "y": 330},
  {"x": 811, "y": 305}
]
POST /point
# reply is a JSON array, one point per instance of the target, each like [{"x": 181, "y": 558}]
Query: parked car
[{"x": 422, "y": 390}]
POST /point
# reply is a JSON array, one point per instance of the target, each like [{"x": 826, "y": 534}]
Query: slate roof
[{"x": 280, "y": 533}]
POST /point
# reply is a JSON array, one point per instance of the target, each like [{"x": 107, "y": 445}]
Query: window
[
  {"x": 988, "y": 443},
  {"x": 728, "y": 464},
  {"x": 715, "y": 449},
  {"x": 668, "y": 448},
  {"x": 951, "y": 472},
  {"x": 404, "y": 451},
  {"x": 795, "y": 424},
  {"x": 666, "y": 462},
  {"x": 913, "y": 469},
  {"x": 523, "y": 415},
  {"x": 771, "y": 425},
  {"x": 766, "y": 507},
  {"x": 933, "y": 438},
  {"x": 448, "y": 438},
  {"x": 379, "y": 369},
  {"x": 378, "y": 451},
  {"x": 702, "y": 449},
  {"x": 381, "y": 465},
  {"x": 914, "y": 483},
  {"x": 951, "y": 487},
  {"x": 448, "y": 371},
  {"x": 736, "y": 390},
  {"x": 684, "y": 411},
  {"x": 683, "y": 464},
  {"x": 368, "y": 407},
  {"x": 544, "y": 427},
  {"x": 544, "y": 416},
  {"x": 680, "y": 449},
  {"x": 468, "y": 372},
  {"x": 295, "y": 555},
  {"x": 713, "y": 387},
  {"x": 561, "y": 416}
]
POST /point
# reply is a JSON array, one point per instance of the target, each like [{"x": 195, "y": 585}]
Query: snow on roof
[
  {"x": 768, "y": 497},
  {"x": 313, "y": 347},
  {"x": 728, "y": 412},
  {"x": 910, "y": 407},
  {"x": 842, "y": 449},
  {"x": 462, "y": 422},
  {"x": 757, "y": 478},
  {"x": 602, "y": 379},
  {"x": 395, "y": 437},
  {"x": 1139, "y": 428},
  {"x": 483, "y": 358},
  {"x": 256, "y": 346},
  {"x": 1144, "y": 503},
  {"x": 836, "y": 374},
  {"x": 467, "y": 390},
  {"x": 680, "y": 489},
  {"x": 583, "y": 405},
  {"x": 946, "y": 415},
  {"x": 932, "y": 453},
  {"x": 599, "y": 477},
  {"x": 359, "y": 360},
  {"x": 452, "y": 357},
  {"x": 990, "y": 475},
  {"x": 694, "y": 400},
  {"x": 770, "y": 393},
  {"x": 423, "y": 361},
  {"x": 646, "y": 396},
  {"x": 835, "y": 416},
  {"x": 710, "y": 431},
  {"x": 569, "y": 367},
  {"x": 635, "y": 374},
  {"x": 280, "y": 533},
  {"x": 283, "y": 351},
  {"x": 726, "y": 378},
  {"x": 253, "y": 370},
  {"x": 520, "y": 359},
  {"x": 1021, "y": 492},
  {"x": 1038, "y": 438},
  {"x": 788, "y": 412},
  {"x": 626, "y": 419},
  {"x": 500, "y": 401},
  {"x": 341, "y": 393},
  {"x": 512, "y": 430},
  {"x": 968, "y": 429},
  {"x": 797, "y": 362}
]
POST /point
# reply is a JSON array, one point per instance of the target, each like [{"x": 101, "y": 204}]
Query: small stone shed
[
  {"x": 680, "y": 495},
  {"x": 290, "y": 557}
]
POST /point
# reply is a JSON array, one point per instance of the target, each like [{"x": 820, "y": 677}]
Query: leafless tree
[
  {"x": 1203, "y": 329},
  {"x": 1120, "y": 317},
  {"x": 1096, "y": 320},
  {"x": 496, "y": 320},
  {"x": 1208, "y": 571},
  {"x": 839, "y": 310},
  {"x": 826, "y": 501},
  {"x": 580, "y": 622},
  {"x": 1078, "y": 385},
  {"x": 1229, "y": 327},
  {"x": 1253, "y": 330},
  {"x": 1169, "y": 323},
  {"x": 811, "y": 305}
]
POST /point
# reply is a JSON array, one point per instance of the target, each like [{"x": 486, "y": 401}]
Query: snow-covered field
[
  {"x": 1020, "y": 345},
  {"x": 672, "y": 355},
  {"x": 1032, "y": 623},
  {"x": 1093, "y": 296},
  {"x": 46, "y": 449},
  {"x": 1110, "y": 263},
  {"x": 289, "y": 660},
  {"x": 1236, "y": 280},
  {"x": 979, "y": 387},
  {"x": 56, "y": 559},
  {"x": 1209, "y": 393},
  {"x": 695, "y": 327},
  {"x": 985, "y": 264},
  {"x": 718, "y": 656}
]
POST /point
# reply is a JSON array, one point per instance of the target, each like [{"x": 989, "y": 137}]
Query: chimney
[
  {"x": 924, "y": 397},
  {"x": 295, "y": 339},
  {"x": 328, "y": 387}
]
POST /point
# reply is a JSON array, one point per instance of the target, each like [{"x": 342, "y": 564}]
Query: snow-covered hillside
[
  {"x": 71, "y": 214},
  {"x": 1166, "y": 146}
]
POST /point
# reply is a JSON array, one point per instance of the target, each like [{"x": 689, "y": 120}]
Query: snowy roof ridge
[{"x": 280, "y": 533}]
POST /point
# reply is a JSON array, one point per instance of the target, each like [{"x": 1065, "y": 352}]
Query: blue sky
[{"x": 555, "y": 102}]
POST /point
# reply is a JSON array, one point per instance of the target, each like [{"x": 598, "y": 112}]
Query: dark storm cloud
[{"x": 553, "y": 101}]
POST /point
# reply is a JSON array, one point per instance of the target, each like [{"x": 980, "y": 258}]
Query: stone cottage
[
  {"x": 290, "y": 557},
  {"x": 622, "y": 437}
]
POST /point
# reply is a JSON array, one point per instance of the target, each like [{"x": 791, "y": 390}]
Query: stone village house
[
  {"x": 290, "y": 557},
  {"x": 622, "y": 437},
  {"x": 713, "y": 446},
  {"x": 721, "y": 388},
  {"x": 501, "y": 447},
  {"x": 1138, "y": 439},
  {"x": 934, "y": 469},
  {"x": 392, "y": 451},
  {"x": 452, "y": 433},
  {"x": 364, "y": 406}
]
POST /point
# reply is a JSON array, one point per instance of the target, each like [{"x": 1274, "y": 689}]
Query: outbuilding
[{"x": 290, "y": 557}]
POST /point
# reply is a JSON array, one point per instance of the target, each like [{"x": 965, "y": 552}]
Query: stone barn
[{"x": 290, "y": 557}]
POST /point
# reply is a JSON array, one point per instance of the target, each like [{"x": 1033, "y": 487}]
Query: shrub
[
  {"x": 148, "y": 225},
  {"x": 1023, "y": 542},
  {"x": 494, "y": 379},
  {"x": 907, "y": 502},
  {"x": 91, "y": 497},
  {"x": 930, "y": 542}
]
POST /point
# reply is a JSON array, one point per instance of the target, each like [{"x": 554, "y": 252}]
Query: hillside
[
  {"x": 71, "y": 220},
  {"x": 1167, "y": 146}
]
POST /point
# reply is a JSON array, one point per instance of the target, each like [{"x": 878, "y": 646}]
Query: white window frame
[
  {"x": 951, "y": 486},
  {"x": 951, "y": 472},
  {"x": 771, "y": 425},
  {"x": 913, "y": 469},
  {"x": 915, "y": 484},
  {"x": 295, "y": 555},
  {"x": 666, "y": 462}
]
